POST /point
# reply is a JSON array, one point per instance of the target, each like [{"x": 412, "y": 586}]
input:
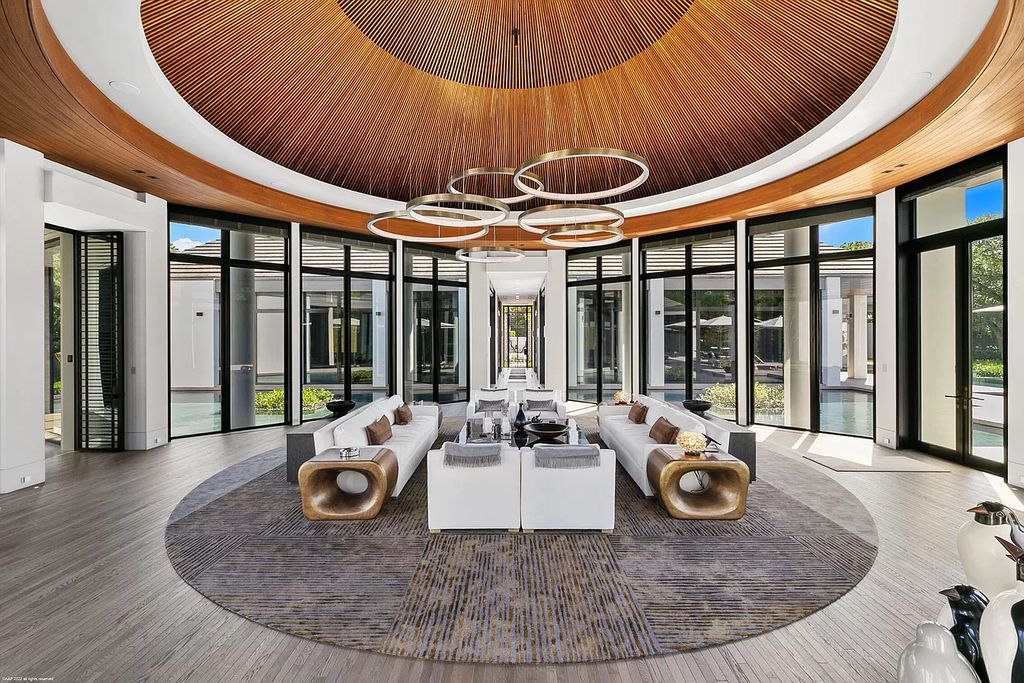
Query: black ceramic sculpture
[
  {"x": 697, "y": 406},
  {"x": 967, "y": 604},
  {"x": 340, "y": 407},
  {"x": 520, "y": 420}
]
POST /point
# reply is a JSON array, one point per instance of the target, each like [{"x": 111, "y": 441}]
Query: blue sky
[
  {"x": 854, "y": 230},
  {"x": 197, "y": 234},
  {"x": 983, "y": 199}
]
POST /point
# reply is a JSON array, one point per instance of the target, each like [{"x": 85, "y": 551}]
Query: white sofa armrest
[
  {"x": 428, "y": 410},
  {"x": 609, "y": 410}
]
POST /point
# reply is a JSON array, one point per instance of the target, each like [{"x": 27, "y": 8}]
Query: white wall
[
  {"x": 22, "y": 334},
  {"x": 1015, "y": 311},
  {"x": 885, "y": 319},
  {"x": 555, "y": 322},
  {"x": 480, "y": 350}
]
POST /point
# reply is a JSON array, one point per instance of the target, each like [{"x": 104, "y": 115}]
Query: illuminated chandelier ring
[
  {"x": 372, "y": 226},
  {"x": 531, "y": 220},
  {"x": 553, "y": 237},
  {"x": 421, "y": 209},
  {"x": 530, "y": 178},
  {"x": 581, "y": 153},
  {"x": 493, "y": 254}
]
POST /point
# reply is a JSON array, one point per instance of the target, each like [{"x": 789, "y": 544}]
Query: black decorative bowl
[
  {"x": 546, "y": 431},
  {"x": 340, "y": 408},
  {"x": 697, "y": 406}
]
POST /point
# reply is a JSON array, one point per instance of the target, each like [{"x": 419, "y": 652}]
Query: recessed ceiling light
[
  {"x": 901, "y": 165},
  {"x": 124, "y": 87},
  {"x": 924, "y": 75},
  {"x": 888, "y": 170}
]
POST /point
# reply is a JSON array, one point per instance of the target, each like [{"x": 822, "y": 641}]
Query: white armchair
[
  {"x": 527, "y": 395},
  {"x": 473, "y": 497},
  {"x": 487, "y": 395},
  {"x": 568, "y": 498}
]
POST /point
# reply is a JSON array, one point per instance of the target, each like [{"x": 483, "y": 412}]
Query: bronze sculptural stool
[
  {"x": 323, "y": 500},
  {"x": 725, "y": 496}
]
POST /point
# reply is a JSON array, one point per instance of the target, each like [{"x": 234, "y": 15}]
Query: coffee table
[
  {"x": 473, "y": 432},
  {"x": 725, "y": 496},
  {"x": 321, "y": 476}
]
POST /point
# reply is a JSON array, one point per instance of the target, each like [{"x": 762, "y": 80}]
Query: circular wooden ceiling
[{"x": 393, "y": 97}]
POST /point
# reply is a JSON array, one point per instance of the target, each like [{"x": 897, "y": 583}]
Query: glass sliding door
[
  {"x": 436, "y": 327},
  {"x": 953, "y": 282},
  {"x": 347, "y": 329},
  {"x": 229, "y": 338},
  {"x": 689, "y": 302},
  {"x": 781, "y": 351},
  {"x": 812, "y": 312},
  {"x": 599, "y": 345}
]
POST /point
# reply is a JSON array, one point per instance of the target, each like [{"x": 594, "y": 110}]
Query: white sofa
[
  {"x": 541, "y": 395},
  {"x": 632, "y": 442},
  {"x": 408, "y": 442},
  {"x": 568, "y": 498},
  {"x": 473, "y": 497}
]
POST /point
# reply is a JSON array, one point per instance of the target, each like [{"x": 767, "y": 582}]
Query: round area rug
[{"x": 655, "y": 586}]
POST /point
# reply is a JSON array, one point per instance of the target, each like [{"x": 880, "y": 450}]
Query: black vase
[{"x": 520, "y": 420}]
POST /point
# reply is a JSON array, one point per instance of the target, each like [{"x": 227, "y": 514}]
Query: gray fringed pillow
[
  {"x": 548, "y": 406},
  {"x": 485, "y": 406},
  {"x": 567, "y": 457},
  {"x": 472, "y": 455}
]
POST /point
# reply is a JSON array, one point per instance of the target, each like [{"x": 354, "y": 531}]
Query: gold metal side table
[
  {"x": 725, "y": 496},
  {"x": 324, "y": 500}
]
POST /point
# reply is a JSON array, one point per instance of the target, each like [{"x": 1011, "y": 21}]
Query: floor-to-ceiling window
[
  {"x": 811, "y": 280},
  {"x": 688, "y": 331},
  {"x": 436, "y": 326},
  {"x": 599, "y": 343},
  {"x": 952, "y": 342},
  {"x": 347, "y": 290},
  {"x": 228, "y": 322}
]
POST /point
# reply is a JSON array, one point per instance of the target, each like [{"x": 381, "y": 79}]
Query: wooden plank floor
[{"x": 87, "y": 593}]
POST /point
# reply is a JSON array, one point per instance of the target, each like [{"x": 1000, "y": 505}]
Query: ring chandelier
[{"x": 556, "y": 231}]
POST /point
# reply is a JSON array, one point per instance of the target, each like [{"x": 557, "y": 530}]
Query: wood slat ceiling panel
[{"x": 392, "y": 99}]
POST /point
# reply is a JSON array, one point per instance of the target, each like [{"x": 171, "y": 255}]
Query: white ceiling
[
  {"x": 510, "y": 283},
  {"x": 105, "y": 39}
]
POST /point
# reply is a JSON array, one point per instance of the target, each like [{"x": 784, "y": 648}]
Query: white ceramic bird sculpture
[{"x": 934, "y": 658}]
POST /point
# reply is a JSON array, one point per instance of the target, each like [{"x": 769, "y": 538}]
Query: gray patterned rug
[{"x": 655, "y": 586}]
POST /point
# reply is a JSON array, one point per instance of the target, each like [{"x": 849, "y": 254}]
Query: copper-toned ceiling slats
[{"x": 392, "y": 97}]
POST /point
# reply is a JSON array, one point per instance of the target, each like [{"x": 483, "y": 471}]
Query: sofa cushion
[
  {"x": 403, "y": 414},
  {"x": 379, "y": 432},
  {"x": 487, "y": 406},
  {"x": 388, "y": 406},
  {"x": 638, "y": 413},
  {"x": 347, "y": 434},
  {"x": 664, "y": 431},
  {"x": 541, "y": 406}
]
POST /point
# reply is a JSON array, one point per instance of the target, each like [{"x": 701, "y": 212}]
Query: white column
[
  {"x": 857, "y": 345},
  {"x": 480, "y": 350},
  {"x": 379, "y": 315},
  {"x": 831, "y": 332},
  {"x": 146, "y": 335},
  {"x": 1015, "y": 311},
  {"x": 555, "y": 324},
  {"x": 741, "y": 322},
  {"x": 68, "y": 395},
  {"x": 631, "y": 383},
  {"x": 22, "y": 334},
  {"x": 796, "y": 331},
  {"x": 655, "y": 332},
  {"x": 295, "y": 305},
  {"x": 401, "y": 340},
  {"x": 885, "y": 319}
]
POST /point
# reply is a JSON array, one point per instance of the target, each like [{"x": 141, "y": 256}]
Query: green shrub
[
  {"x": 987, "y": 368},
  {"x": 362, "y": 376},
  {"x": 768, "y": 398},
  {"x": 272, "y": 402}
]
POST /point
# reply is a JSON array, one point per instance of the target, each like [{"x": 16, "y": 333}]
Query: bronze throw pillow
[
  {"x": 403, "y": 414},
  {"x": 638, "y": 413},
  {"x": 664, "y": 431},
  {"x": 378, "y": 433}
]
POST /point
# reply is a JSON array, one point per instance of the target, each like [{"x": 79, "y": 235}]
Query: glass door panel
[
  {"x": 452, "y": 370},
  {"x": 987, "y": 350},
  {"x": 583, "y": 361},
  {"x": 666, "y": 338},
  {"x": 369, "y": 340},
  {"x": 714, "y": 341},
  {"x": 615, "y": 339},
  {"x": 419, "y": 321},
  {"x": 937, "y": 349}
]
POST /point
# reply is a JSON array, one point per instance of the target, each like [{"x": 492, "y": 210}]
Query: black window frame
[
  {"x": 687, "y": 272},
  {"x": 223, "y": 221},
  {"x": 599, "y": 281},
  {"x": 435, "y": 282},
  {"x": 347, "y": 273},
  {"x": 812, "y": 219}
]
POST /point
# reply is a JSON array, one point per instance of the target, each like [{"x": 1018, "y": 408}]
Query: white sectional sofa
[
  {"x": 409, "y": 442},
  {"x": 473, "y": 497},
  {"x": 632, "y": 442}
]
